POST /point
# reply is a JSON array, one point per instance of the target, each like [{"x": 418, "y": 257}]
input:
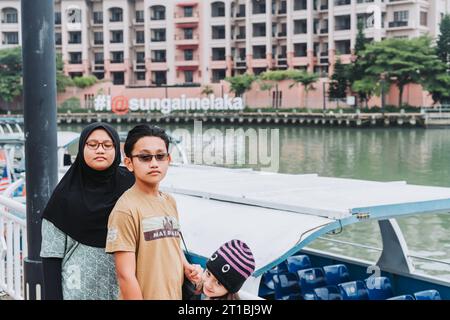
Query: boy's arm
[{"x": 126, "y": 275}]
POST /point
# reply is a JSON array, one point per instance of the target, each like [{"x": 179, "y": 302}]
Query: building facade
[{"x": 171, "y": 42}]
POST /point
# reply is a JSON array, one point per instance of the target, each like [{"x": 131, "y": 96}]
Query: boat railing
[
  {"x": 362, "y": 246},
  {"x": 13, "y": 246}
]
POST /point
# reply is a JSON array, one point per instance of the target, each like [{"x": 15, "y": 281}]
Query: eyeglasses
[
  {"x": 94, "y": 145},
  {"x": 145, "y": 157}
]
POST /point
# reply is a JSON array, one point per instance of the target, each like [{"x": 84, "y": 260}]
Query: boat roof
[
  {"x": 64, "y": 138},
  {"x": 278, "y": 214}
]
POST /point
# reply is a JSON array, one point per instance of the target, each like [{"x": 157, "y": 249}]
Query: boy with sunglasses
[{"x": 143, "y": 228}]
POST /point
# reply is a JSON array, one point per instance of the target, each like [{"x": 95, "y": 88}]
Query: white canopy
[{"x": 275, "y": 213}]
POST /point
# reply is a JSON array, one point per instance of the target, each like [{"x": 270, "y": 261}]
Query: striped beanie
[{"x": 232, "y": 264}]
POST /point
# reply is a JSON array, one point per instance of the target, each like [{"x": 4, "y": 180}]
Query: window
[
  {"x": 159, "y": 56},
  {"x": 188, "y": 55},
  {"x": 300, "y": 5},
  {"x": 159, "y": 77},
  {"x": 158, "y": 13},
  {"x": 140, "y": 57},
  {"x": 218, "y": 32},
  {"x": 188, "y": 12},
  {"x": 118, "y": 78},
  {"x": 117, "y": 36},
  {"x": 342, "y": 23},
  {"x": 140, "y": 75},
  {"x": 98, "y": 37},
  {"x": 140, "y": 36},
  {"x": 75, "y": 57},
  {"x": 259, "y": 30},
  {"x": 300, "y": 49},
  {"x": 116, "y": 56},
  {"x": 241, "y": 12},
  {"x": 342, "y": 47},
  {"x": 217, "y": 75},
  {"x": 139, "y": 16},
  {"x": 99, "y": 58},
  {"x": 300, "y": 26},
  {"x": 188, "y": 33},
  {"x": 259, "y": 6},
  {"x": 116, "y": 15},
  {"x": 401, "y": 15},
  {"x": 217, "y": 9},
  {"x": 259, "y": 52},
  {"x": 11, "y": 37},
  {"x": 423, "y": 18},
  {"x": 218, "y": 54},
  {"x": 188, "y": 76},
  {"x": 75, "y": 37},
  {"x": 57, "y": 18},
  {"x": 58, "y": 38},
  {"x": 10, "y": 15},
  {"x": 158, "y": 35},
  {"x": 98, "y": 17}
]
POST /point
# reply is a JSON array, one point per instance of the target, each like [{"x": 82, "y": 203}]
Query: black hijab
[{"x": 82, "y": 201}]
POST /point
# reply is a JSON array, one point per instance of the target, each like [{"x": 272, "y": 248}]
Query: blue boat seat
[
  {"x": 267, "y": 278},
  {"x": 335, "y": 274},
  {"x": 353, "y": 290},
  {"x": 282, "y": 267},
  {"x": 404, "y": 297},
  {"x": 286, "y": 287},
  {"x": 328, "y": 293},
  {"x": 299, "y": 262},
  {"x": 427, "y": 295},
  {"x": 310, "y": 279},
  {"x": 379, "y": 288}
]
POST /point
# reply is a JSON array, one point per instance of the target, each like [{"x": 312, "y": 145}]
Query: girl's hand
[{"x": 193, "y": 272}]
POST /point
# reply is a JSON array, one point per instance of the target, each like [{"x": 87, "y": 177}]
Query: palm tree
[{"x": 304, "y": 78}]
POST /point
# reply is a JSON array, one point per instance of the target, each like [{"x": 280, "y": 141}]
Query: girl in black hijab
[{"x": 74, "y": 225}]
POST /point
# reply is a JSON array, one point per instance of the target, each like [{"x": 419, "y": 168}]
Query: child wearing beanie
[{"x": 226, "y": 271}]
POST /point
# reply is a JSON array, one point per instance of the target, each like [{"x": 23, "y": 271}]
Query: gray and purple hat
[{"x": 232, "y": 264}]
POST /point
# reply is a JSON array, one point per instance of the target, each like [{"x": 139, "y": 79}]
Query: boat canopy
[{"x": 278, "y": 214}]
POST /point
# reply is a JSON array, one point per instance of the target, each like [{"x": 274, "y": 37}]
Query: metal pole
[
  {"x": 324, "y": 96},
  {"x": 39, "y": 86},
  {"x": 382, "y": 95}
]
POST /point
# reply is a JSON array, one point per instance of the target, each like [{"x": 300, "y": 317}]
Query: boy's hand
[{"x": 193, "y": 272}]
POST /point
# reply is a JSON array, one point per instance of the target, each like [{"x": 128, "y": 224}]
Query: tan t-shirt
[{"x": 149, "y": 226}]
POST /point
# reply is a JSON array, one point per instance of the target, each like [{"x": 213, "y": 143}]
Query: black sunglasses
[{"x": 145, "y": 157}]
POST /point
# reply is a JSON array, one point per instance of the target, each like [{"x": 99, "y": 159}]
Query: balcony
[
  {"x": 240, "y": 63},
  {"x": 139, "y": 65},
  {"x": 342, "y": 2},
  {"x": 395, "y": 2},
  {"x": 181, "y": 40},
  {"x": 180, "y": 61},
  {"x": 180, "y": 18},
  {"x": 282, "y": 34},
  {"x": 398, "y": 24}
]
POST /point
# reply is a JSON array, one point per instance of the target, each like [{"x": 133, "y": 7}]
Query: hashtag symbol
[{"x": 101, "y": 103}]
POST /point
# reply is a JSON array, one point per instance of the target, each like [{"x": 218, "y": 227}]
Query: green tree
[
  {"x": 207, "y": 90},
  {"x": 443, "y": 42},
  {"x": 62, "y": 81},
  {"x": 240, "y": 84},
  {"x": 339, "y": 82},
  {"x": 304, "y": 78},
  {"x": 356, "y": 69},
  {"x": 10, "y": 74},
  {"x": 403, "y": 61}
]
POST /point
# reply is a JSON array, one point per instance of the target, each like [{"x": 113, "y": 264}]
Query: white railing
[{"x": 13, "y": 245}]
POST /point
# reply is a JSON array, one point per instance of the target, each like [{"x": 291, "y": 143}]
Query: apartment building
[{"x": 170, "y": 42}]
